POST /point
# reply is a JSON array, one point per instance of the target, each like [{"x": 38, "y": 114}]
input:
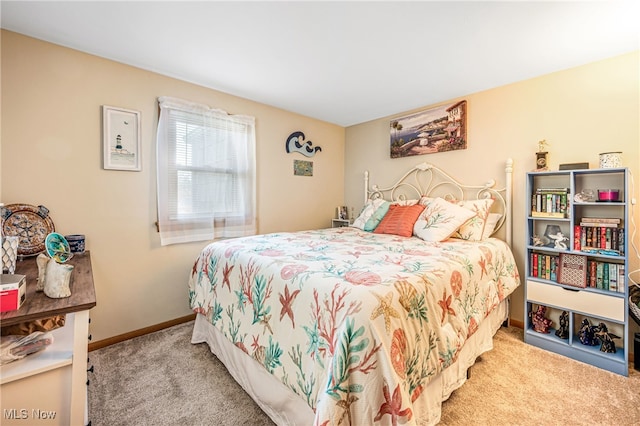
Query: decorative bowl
[{"x": 57, "y": 247}]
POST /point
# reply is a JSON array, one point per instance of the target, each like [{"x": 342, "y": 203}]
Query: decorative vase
[{"x": 9, "y": 254}]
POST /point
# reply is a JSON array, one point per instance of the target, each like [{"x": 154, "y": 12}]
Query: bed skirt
[{"x": 286, "y": 408}]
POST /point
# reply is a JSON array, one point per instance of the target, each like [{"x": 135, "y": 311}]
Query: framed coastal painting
[
  {"x": 120, "y": 139},
  {"x": 439, "y": 129}
]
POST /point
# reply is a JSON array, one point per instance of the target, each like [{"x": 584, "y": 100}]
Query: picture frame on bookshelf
[{"x": 572, "y": 270}]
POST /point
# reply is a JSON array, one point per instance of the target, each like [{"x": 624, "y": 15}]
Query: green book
[{"x": 599, "y": 268}]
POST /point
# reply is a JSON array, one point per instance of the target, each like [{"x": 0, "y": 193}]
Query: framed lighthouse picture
[{"x": 120, "y": 139}]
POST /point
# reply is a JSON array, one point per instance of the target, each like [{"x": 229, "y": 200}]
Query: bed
[{"x": 363, "y": 325}]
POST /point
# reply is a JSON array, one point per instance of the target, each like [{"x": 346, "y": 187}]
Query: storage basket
[{"x": 634, "y": 298}]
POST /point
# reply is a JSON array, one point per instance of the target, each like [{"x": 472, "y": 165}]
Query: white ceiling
[{"x": 342, "y": 62}]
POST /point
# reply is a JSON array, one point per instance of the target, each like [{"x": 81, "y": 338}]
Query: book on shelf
[
  {"x": 599, "y": 271},
  {"x": 543, "y": 266},
  {"x": 552, "y": 201},
  {"x": 613, "y": 277},
  {"x": 602, "y": 219},
  {"x": 600, "y": 238},
  {"x": 577, "y": 237},
  {"x": 548, "y": 214},
  {"x": 553, "y": 190},
  {"x": 606, "y": 276},
  {"x": 591, "y": 276},
  {"x": 547, "y": 267},
  {"x": 599, "y": 224}
]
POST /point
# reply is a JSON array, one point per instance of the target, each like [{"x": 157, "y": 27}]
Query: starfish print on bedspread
[
  {"x": 445, "y": 304},
  {"x": 385, "y": 309},
  {"x": 287, "y": 300},
  {"x": 393, "y": 406}
]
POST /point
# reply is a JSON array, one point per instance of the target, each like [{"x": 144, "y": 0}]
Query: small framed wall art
[
  {"x": 302, "y": 168},
  {"x": 120, "y": 139}
]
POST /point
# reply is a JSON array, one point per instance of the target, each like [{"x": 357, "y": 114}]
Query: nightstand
[{"x": 338, "y": 223}]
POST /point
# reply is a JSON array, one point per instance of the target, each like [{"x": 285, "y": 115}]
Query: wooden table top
[{"x": 37, "y": 305}]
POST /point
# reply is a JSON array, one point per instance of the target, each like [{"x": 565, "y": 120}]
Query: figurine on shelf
[
  {"x": 606, "y": 338},
  {"x": 541, "y": 323},
  {"x": 588, "y": 333},
  {"x": 558, "y": 241},
  {"x": 537, "y": 241},
  {"x": 563, "y": 331}
]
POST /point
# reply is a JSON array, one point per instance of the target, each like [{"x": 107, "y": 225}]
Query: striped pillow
[{"x": 399, "y": 220}]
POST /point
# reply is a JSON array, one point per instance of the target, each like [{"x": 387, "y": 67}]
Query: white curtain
[{"x": 206, "y": 173}]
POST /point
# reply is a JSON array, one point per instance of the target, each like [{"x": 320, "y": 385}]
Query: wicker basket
[{"x": 634, "y": 298}]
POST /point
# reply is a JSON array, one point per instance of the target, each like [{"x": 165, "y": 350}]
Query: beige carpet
[
  {"x": 518, "y": 384},
  {"x": 162, "y": 379}
]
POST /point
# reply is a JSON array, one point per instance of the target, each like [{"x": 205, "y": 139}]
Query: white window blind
[{"x": 206, "y": 173}]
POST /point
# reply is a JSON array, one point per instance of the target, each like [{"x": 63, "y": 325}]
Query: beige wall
[
  {"x": 50, "y": 152},
  {"x": 51, "y": 155},
  {"x": 581, "y": 112}
]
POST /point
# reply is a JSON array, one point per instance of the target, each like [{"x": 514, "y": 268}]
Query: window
[{"x": 206, "y": 173}]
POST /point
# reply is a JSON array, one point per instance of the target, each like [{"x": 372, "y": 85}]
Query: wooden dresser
[{"x": 49, "y": 387}]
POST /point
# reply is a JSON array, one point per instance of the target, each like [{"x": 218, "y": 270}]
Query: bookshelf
[{"x": 577, "y": 263}]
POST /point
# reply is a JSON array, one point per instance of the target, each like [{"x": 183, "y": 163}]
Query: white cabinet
[
  {"x": 577, "y": 265},
  {"x": 49, "y": 387}
]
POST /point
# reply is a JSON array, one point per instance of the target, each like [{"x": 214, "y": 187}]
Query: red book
[
  {"x": 576, "y": 237},
  {"x": 603, "y": 238}
]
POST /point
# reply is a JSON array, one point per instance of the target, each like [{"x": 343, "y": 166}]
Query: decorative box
[
  {"x": 13, "y": 291},
  {"x": 572, "y": 270}
]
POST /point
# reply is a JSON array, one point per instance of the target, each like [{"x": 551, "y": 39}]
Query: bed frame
[{"x": 428, "y": 180}]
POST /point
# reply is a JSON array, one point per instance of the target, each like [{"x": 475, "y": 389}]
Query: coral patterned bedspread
[{"x": 353, "y": 322}]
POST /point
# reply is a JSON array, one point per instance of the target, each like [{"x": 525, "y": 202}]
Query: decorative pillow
[
  {"x": 367, "y": 211},
  {"x": 410, "y": 202},
  {"x": 490, "y": 225},
  {"x": 473, "y": 229},
  {"x": 399, "y": 220},
  {"x": 440, "y": 219},
  {"x": 376, "y": 217}
]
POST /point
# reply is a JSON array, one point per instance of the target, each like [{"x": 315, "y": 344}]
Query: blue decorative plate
[{"x": 57, "y": 247}]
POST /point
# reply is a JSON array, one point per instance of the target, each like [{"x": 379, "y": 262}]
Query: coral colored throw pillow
[{"x": 399, "y": 220}]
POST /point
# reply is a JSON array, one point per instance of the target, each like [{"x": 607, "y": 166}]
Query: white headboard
[{"x": 428, "y": 180}]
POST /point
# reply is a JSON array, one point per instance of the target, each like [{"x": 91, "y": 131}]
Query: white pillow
[
  {"x": 473, "y": 229},
  {"x": 367, "y": 211},
  {"x": 490, "y": 225},
  {"x": 439, "y": 219}
]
